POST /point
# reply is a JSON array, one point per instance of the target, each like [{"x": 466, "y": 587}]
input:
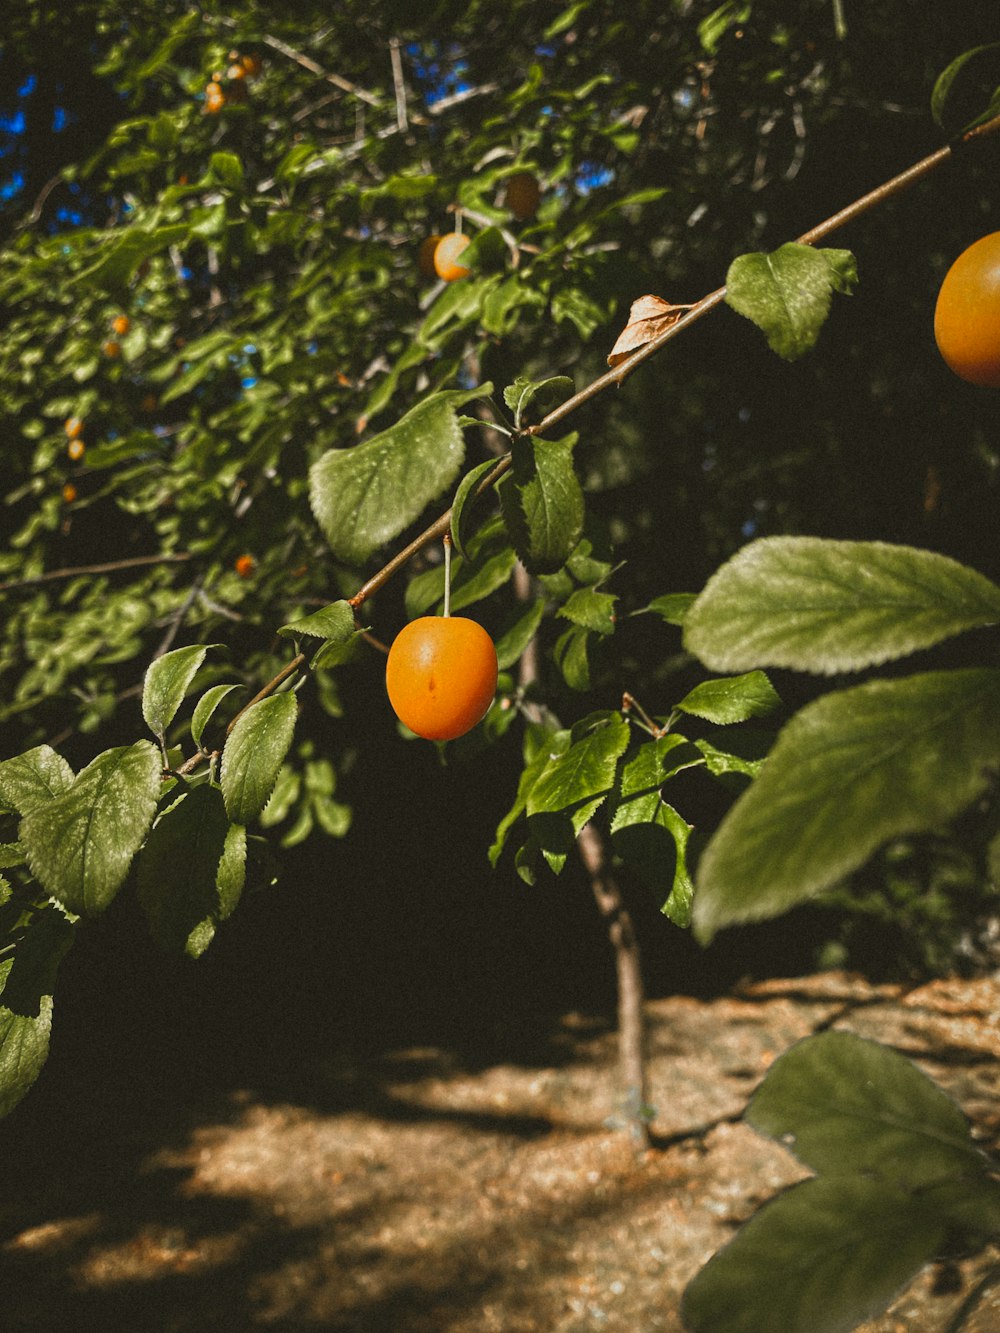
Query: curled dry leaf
[{"x": 648, "y": 317}]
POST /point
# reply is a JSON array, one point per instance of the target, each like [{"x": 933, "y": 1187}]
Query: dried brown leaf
[{"x": 648, "y": 317}]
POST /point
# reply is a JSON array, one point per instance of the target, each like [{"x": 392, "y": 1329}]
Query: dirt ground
[{"x": 410, "y": 1194}]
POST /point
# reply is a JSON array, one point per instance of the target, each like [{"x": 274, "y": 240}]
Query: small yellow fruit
[{"x": 446, "y": 254}]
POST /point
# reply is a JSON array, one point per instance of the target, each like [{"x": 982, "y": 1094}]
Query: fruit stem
[{"x": 447, "y": 573}]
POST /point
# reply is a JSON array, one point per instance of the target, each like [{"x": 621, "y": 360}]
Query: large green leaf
[
  {"x": 166, "y": 683},
  {"x": 817, "y": 605},
  {"x": 33, "y": 778},
  {"x": 787, "y": 293},
  {"x": 849, "y": 772},
  {"x": 573, "y": 784},
  {"x": 822, "y": 1258},
  {"x": 179, "y": 868},
  {"x": 364, "y": 496},
  {"x": 843, "y": 1104},
  {"x": 254, "y": 753},
  {"x": 80, "y": 843},
  {"x": 542, "y": 503}
]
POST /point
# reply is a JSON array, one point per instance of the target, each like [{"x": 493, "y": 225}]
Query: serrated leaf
[
  {"x": 550, "y": 744},
  {"x": 364, "y": 496},
  {"x": 334, "y": 622},
  {"x": 584, "y": 771},
  {"x": 823, "y": 1257},
  {"x": 655, "y": 761},
  {"x": 542, "y": 503},
  {"x": 843, "y": 1105},
  {"x": 849, "y": 772},
  {"x": 253, "y": 756},
  {"x": 204, "y": 709},
  {"x": 830, "y": 606},
  {"x": 592, "y": 609},
  {"x": 572, "y": 657},
  {"x": 652, "y": 837},
  {"x": 177, "y": 868},
  {"x": 733, "y": 699},
  {"x": 787, "y": 293},
  {"x": 32, "y": 778},
  {"x": 166, "y": 683},
  {"x": 80, "y": 843},
  {"x": 522, "y": 393}
]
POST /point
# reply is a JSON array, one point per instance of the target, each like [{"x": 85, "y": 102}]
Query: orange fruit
[
  {"x": 73, "y": 426},
  {"x": 441, "y": 676},
  {"x": 252, "y": 64},
  {"x": 121, "y": 324},
  {"x": 244, "y": 565},
  {"x": 111, "y": 348},
  {"x": 236, "y": 72},
  {"x": 523, "y": 195},
  {"x": 69, "y": 493},
  {"x": 967, "y": 314},
  {"x": 425, "y": 255},
  {"x": 446, "y": 253},
  {"x": 76, "y": 449}
]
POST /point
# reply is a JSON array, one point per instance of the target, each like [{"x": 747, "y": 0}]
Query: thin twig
[
  {"x": 397, "y": 83},
  {"x": 269, "y": 688},
  {"x": 308, "y": 63},
  {"x": 109, "y": 567}
]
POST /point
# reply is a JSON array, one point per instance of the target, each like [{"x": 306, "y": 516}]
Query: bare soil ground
[{"x": 410, "y": 1193}]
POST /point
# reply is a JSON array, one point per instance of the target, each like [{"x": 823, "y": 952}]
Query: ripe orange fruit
[
  {"x": 252, "y": 64},
  {"x": 446, "y": 253},
  {"x": 425, "y": 255},
  {"x": 76, "y": 449},
  {"x": 441, "y": 676},
  {"x": 69, "y": 493},
  {"x": 121, "y": 324},
  {"x": 244, "y": 565},
  {"x": 967, "y": 314},
  {"x": 73, "y": 426},
  {"x": 236, "y": 72},
  {"x": 523, "y": 195},
  {"x": 111, "y": 348}
]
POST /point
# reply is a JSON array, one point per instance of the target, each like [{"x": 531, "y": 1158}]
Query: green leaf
[
  {"x": 512, "y": 643},
  {"x": 585, "y": 770},
  {"x": 592, "y": 609},
  {"x": 254, "y": 752},
  {"x": 829, "y": 606},
  {"x": 80, "y": 843},
  {"x": 335, "y": 622},
  {"x": 542, "y": 503},
  {"x": 523, "y": 392},
  {"x": 464, "y": 502},
  {"x": 572, "y": 657},
  {"x": 970, "y": 109},
  {"x": 655, "y": 761},
  {"x": 205, "y": 708},
  {"x": 714, "y": 26},
  {"x": 364, "y": 496},
  {"x": 652, "y": 837},
  {"x": 734, "y": 699},
  {"x": 178, "y": 867},
  {"x": 787, "y": 293},
  {"x": 822, "y": 1258},
  {"x": 124, "y": 252},
  {"x": 227, "y": 169},
  {"x": 27, "y": 980},
  {"x": 849, "y": 772},
  {"x": 672, "y": 606},
  {"x": 166, "y": 683},
  {"x": 844, "y": 1105},
  {"x": 549, "y": 745},
  {"x": 32, "y": 778}
]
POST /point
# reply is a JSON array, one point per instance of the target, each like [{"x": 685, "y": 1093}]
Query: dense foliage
[{"x": 233, "y": 399}]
